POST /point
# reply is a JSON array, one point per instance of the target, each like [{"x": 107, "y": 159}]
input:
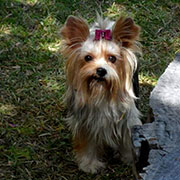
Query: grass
[{"x": 35, "y": 143}]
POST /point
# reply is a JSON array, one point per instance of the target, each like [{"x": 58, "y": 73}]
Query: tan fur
[
  {"x": 75, "y": 32},
  {"x": 80, "y": 142},
  {"x": 101, "y": 110},
  {"x": 126, "y": 32}
]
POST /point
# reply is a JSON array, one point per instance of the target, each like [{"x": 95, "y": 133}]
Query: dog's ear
[
  {"x": 74, "y": 32},
  {"x": 126, "y": 32}
]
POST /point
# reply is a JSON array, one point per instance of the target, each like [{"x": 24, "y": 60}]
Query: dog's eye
[
  {"x": 112, "y": 59},
  {"x": 88, "y": 58}
]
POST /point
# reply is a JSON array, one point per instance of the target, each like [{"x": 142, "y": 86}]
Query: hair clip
[{"x": 104, "y": 34}]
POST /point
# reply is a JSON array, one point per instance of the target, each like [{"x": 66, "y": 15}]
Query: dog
[{"x": 101, "y": 62}]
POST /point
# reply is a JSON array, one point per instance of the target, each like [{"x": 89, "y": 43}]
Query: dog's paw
[{"x": 92, "y": 167}]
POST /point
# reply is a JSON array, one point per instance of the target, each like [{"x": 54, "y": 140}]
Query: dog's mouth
[
  {"x": 96, "y": 78},
  {"x": 96, "y": 83}
]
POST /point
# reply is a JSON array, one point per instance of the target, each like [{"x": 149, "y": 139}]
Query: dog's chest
[{"x": 102, "y": 123}]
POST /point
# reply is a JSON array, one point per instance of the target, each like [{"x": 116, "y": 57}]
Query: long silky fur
[{"x": 105, "y": 121}]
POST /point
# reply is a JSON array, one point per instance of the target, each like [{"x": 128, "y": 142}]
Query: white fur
[
  {"x": 101, "y": 24},
  {"x": 88, "y": 160}
]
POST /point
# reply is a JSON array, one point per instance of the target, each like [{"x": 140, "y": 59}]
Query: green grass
[{"x": 34, "y": 141}]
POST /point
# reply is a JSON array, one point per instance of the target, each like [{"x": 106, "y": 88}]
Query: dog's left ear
[
  {"x": 75, "y": 31},
  {"x": 126, "y": 32}
]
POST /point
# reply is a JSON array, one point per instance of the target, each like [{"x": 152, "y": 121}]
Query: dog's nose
[{"x": 101, "y": 72}]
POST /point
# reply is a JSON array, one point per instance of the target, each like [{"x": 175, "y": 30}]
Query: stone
[{"x": 157, "y": 144}]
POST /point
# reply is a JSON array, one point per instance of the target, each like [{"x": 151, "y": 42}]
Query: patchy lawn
[{"x": 34, "y": 141}]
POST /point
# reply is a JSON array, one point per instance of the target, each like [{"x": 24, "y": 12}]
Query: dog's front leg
[{"x": 86, "y": 152}]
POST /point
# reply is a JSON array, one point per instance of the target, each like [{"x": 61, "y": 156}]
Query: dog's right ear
[{"x": 74, "y": 32}]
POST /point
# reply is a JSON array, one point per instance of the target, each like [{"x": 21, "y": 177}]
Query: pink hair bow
[{"x": 104, "y": 34}]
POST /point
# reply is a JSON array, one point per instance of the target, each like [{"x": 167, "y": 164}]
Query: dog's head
[{"x": 101, "y": 60}]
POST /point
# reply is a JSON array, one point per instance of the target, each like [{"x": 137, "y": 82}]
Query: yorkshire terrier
[{"x": 101, "y": 62}]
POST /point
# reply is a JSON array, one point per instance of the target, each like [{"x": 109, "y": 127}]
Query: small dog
[{"x": 100, "y": 66}]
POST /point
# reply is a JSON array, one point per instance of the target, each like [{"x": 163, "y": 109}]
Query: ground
[{"x": 35, "y": 143}]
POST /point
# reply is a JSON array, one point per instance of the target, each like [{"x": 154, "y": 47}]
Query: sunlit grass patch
[
  {"x": 145, "y": 79},
  {"x": 5, "y": 30},
  {"x": 7, "y": 109}
]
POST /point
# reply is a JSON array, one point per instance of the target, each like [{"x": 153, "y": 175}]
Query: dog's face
[{"x": 100, "y": 69}]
